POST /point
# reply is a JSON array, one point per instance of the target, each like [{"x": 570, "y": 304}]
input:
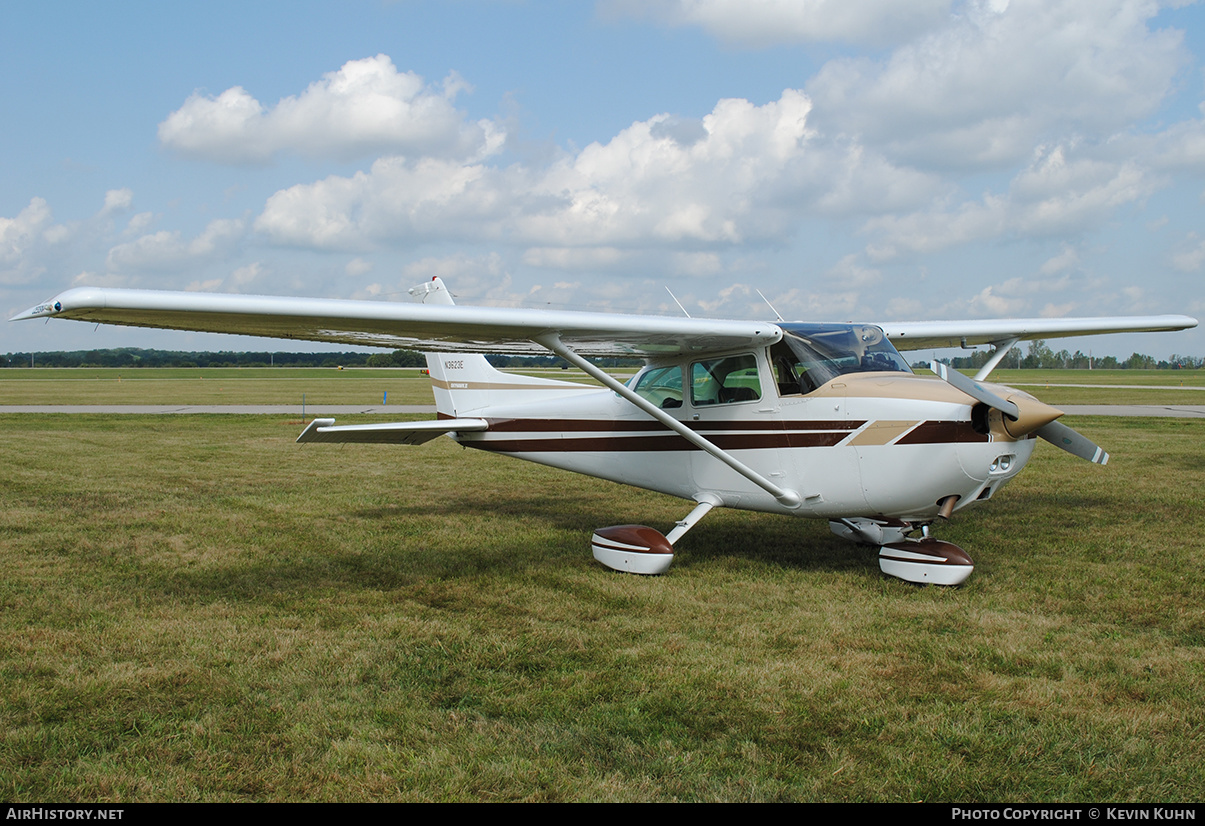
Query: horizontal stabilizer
[{"x": 390, "y": 433}]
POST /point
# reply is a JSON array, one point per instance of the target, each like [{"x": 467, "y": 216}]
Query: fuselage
[{"x": 869, "y": 442}]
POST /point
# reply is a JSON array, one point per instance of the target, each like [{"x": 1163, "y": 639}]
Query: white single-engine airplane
[{"x": 821, "y": 421}]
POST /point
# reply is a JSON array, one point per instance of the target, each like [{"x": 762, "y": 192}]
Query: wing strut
[
  {"x": 1002, "y": 348},
  {"x": 553, "y": 342}
]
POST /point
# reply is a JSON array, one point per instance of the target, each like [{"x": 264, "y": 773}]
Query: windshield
[{"x": 810, "y": 355}]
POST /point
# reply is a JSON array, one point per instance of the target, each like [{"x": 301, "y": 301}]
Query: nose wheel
[{"x": 927, "y": 561}]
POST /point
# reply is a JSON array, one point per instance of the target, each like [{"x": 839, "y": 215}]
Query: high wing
[
  {"x": 439, "y": 327},
  {"x": 934, "y": 335},
  {"x": 459, "y": 328}
]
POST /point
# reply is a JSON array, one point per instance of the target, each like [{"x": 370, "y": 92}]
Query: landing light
[{"x": 1001, "y": 464}]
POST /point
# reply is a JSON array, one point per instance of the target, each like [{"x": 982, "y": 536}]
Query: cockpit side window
[
  {"x": 787, "y": 370},
  {"x": 724, "y": 380},
  {"x": 662, "y": 386}
]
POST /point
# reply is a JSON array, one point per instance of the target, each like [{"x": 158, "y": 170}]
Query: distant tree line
[
  {"x": 1040, "y": 356},
  {"x": 127, "y": 357},
  {"x": 1043, "y": 357}
]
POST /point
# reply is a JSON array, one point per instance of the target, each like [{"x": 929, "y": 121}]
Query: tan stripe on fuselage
[
  {"x": 891, "y": 386},
  {"x": 881, "y": 433}
]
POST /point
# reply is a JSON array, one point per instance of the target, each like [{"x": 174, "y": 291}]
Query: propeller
[
  {"x": 1059, "y": 435},
  {"x": 1022, "y": 414},
  {"x": 976, "y": 390}
]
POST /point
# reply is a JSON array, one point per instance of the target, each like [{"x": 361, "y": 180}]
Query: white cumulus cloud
[
  {"x": 983, "y": 88},
  {"x": 117, "y": 200},
  {"x": 1052, "y": 196},
  {"x": 166, "y": 250},
  {"x": 367, "y": 107},
  {"x": 1191, "y": 258},
  {"x": 744, "y": 172},
  {"x": 20, "y": 233},
  {"x": 772, "y": 22}
]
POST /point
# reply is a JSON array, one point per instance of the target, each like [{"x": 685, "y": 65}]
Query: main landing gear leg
[{"x": 638, "y": 549}]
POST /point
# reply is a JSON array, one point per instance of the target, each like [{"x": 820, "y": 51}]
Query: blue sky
[{"x": 852, "y": 159}]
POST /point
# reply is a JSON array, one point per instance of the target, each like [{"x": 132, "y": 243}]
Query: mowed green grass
[
  {"x": 195, "y": 608},
  {"x": 230, "y": 385},
  {"x": 1175, "y": 378},
  {"x": 369, "y": 386}
]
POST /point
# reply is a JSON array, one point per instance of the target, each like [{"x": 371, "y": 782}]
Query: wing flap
[{"x": 390, "y": 433}]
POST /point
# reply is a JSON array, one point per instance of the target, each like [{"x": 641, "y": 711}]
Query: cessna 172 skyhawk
[{"x": 821, "y": 421}]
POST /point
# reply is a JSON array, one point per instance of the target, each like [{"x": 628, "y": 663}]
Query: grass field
[
  {"x": 1175, "y": 378},
  {"x": 210, "y": 386},
  {"x": 1107, "y": 386},
  {"x": 367, "y": 386},
  {"x": 195, "y": 608}
]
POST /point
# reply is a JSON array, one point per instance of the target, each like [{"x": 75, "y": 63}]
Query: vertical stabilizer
[
  {"x": 432, "y": 292},
  {"x": 465, "y": 382}
]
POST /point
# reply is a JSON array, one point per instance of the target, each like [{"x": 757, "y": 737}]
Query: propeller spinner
[{"x": 1021, "y": 415}]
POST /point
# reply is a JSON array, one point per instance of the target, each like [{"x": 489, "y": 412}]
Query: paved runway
[
  {"x": 1184, "y": 411},
  {"x": 1049, "y": 384}
]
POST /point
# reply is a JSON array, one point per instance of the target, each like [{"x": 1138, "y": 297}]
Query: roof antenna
[
  {"x": 676, "y": 301},
  {"x": 768, "y": 304}
]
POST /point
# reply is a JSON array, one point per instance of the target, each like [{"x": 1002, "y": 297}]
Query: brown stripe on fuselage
[
  {"x": 665, "y": 443},
  {"x": 930, "y": 433},
  {"x": 657, "y": 444},
  {"x": 726, "y": 435},
  {"x": 627, "y": 425}
]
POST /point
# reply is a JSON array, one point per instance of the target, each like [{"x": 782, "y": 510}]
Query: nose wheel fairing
[
  {"x": 926, "y": 561},
  {"x": 632, "y": 549}
]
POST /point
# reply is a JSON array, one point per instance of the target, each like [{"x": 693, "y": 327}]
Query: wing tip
[{"x": 43, "y": 310}]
